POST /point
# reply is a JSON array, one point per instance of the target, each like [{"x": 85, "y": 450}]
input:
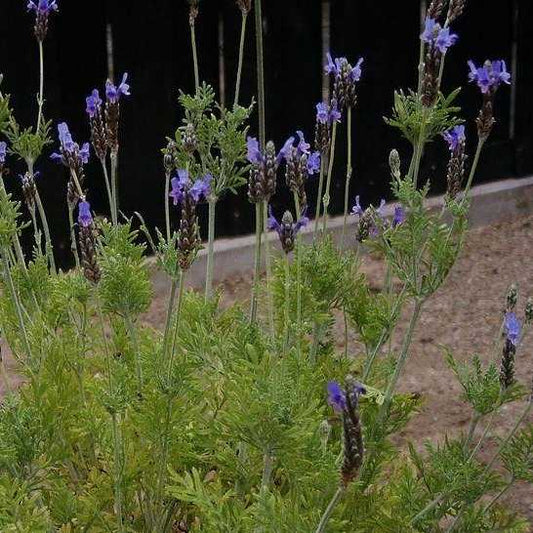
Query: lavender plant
[{"x": 224, "y": 420}]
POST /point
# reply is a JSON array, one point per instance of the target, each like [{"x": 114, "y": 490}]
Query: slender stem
[
  {"x": 500, "y": 494},
  {"x": 268, "y": 465},
  {"x": 402, "y": 359},
  {"x": 119, "y": 469},
  {"x": 260, "y": 72},
  {"x": 194, "y": 56},
  {"x": 40, "y": 101},
  {"x": 328, "y": 180},
  {"x": 257, "y": 261},
  {"x": 167, "y": 205},
  {"x": 16, "y": 302},
  {"x": 419, "y": 148},
  {"x": 114, "y": 187},
  {"x": 109, "y": 192},
  {"x": 298, "y": 278},
  {"x": 168, "y": 321},
  {"x": 287, "y": 302},
  {"x": 210, "y": 249},
  {"x": 473, "y": 168},
  {"x": 345, "y": 319},
  {"x": 268, "y": 265},
  {"x": 37, "y": 236},
  {"x": 471, "y": 429},
  {"x": 132, "y": 333},
  {"x": 319, "y": 195},
  {"x": 181, "y": 285},
  {"x": 241, "y": 57},
  {"x": 384, "y": 334},
  {"x": 73, "y": 242},
  {"x": 48, "y": 240},
  {"x": 5, "y": 377},
  {"x": 429, "y": 507},
  {"x": 329, "y": 510},
  {"x": 348, "y": 175}
]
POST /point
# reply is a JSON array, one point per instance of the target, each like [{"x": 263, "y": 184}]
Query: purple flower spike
[
  {"x": 399, "y": 216},
  {"x": 65, "y": 138},
  {"x": 303, "y": 147},
  {"x": 512, "y": 328},
  {"x": 285, "y": 152},
  {"x": 331, "y": 67},
  {"x": 454, "y": 137},
  {"x": 336, "y": 396},
  {"x": 357, "y": 209},
  {"x": 322, "y": 113},
  {"x": 201, "y": 188},
  {"x": 70, "y": 154},
  {"x": 355, "y": 73},
  {"x": 94, "y": 103},
  {"x": 114, "y": 93},
  {"x": 489, "y": 77},
  {"x": 42, "y": 6},
  {"x": 85, "y": 218},
  {"x": 437, "y": 36},
  {"x": 254, "y": 154},
  {"x": 179, "y": 184},
  {"x": 3, "y": 151},
  {"x": 313, "y": 163}
]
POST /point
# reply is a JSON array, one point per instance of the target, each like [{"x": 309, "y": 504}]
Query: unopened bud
[
  {"x": 394, "y": 163},
  {"x": 511, "y": 298},
  {"x": 529, "y": 311}
]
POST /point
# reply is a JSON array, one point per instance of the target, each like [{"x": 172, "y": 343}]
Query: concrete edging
[{"x": 491, "y": 203}]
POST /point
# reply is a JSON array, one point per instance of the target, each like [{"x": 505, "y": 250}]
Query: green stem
[
  {"x": 400, "y": 363},
  {"x": 181, "y": 285},
  {"x": 194, "y": 56},
  {"x": 499, "y": 495},
  {"x": 329, "y": 510},
  {"x": 241, "y": 56},
  {"x": 287, "y": 303},
  {"x": 348, "y": 175},
  {"x": 210, "y": 249},
  {"x": 473, "y": 168},
  {"x": 268, "y": 265},
  {"x": 40, "y": 101},
  {"x": 345, "y": 319},
  {"x": 36, "y": 233},
  {"x": 48, "y": 239},
  {"x": 419, "y": 148},
  {"x": 16, "y": 302},
  {"x": 110, "y": 196},
  {"x": 168, "y": 321},
  {"x": 319, "y": 195},
  {"x": 268, "y": 465},
  {"x": 429, "y": 507},
  {"x": 114, "y": 187},
  {"x": 260, "y": 72},
  {"x": 328, "y": 180},
  {"x": 167, "y": 205},
  {"x": 257, "y": 261},
  {"x": 132, "y": 332},
  {"x": 471, "y": 429},
  {"x": 298, "y": 277},
  {"x": 73, "y": 243},
  {"x": 119, "y": 469}
]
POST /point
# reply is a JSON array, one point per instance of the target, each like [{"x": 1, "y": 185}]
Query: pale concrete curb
[{"x": 492, "y": 202}]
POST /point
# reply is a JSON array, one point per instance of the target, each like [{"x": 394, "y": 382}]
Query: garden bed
[{"x": 465, "y": 314}]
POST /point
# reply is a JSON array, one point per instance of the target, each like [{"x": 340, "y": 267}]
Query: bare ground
[{"x": 464, "y": 315}]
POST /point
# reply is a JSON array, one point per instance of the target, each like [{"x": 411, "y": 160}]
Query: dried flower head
[
  {"x": 287, "y": 229},
  {"x": 435, "y": 9},
  {"x": 263, "y": 174},
  {"x": 97, "y": 124},
  {"x": 193, "y": 11},
  {"x": 112, "y": 111},
  {"x": 245, "y": 6},
  {"x": 488, "y": 78},
  {"x": 42, "y": 9},
  {"x": 456, "y": 139},
  {"x": 345, "y": 77},
  {"x": 300, "y": 164},
  {"x": 87, "y": 240},
  {"x": 29, "y": 189},
  {"x": 370, "y": 219}
]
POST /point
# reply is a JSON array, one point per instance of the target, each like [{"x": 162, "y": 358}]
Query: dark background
[{"x": 151, "y": 43}]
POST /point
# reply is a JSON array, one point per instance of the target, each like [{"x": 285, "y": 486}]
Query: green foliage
[
  {"x": 517, "y": 455},
  {"x": 221, "y": 140},
  {"x": 408, "y": 114},
  {"x": 26, "y": 143}
]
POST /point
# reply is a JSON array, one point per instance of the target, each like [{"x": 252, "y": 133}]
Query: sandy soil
[{"x": 465, "y": 315}]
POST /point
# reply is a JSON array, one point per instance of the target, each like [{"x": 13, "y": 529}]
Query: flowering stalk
[
  {"x": 40, "y": 101},
  {"x": 326, "y": 197},
  {"x": 348, "y": 174},
  {"x": 16, "y": 302},
  {"x": 46, "y": 228},
  {"x": 298, "y": 278},
  {"x": 193, "y": 13},
  {"x": 287, "y": 307},
  {"x": 260, "y": 71},
  {"x": 319, "y": 195},
  {"x": 268, "y": 268},
  {"x": 329, "y": 509},
  {"x": 244, "y": 19},
  {"x": 212, "y": 203},
  {"x": 257, "y": 261}
]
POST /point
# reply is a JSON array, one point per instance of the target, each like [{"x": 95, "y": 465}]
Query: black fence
[{"x": 151, "y": 42}]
